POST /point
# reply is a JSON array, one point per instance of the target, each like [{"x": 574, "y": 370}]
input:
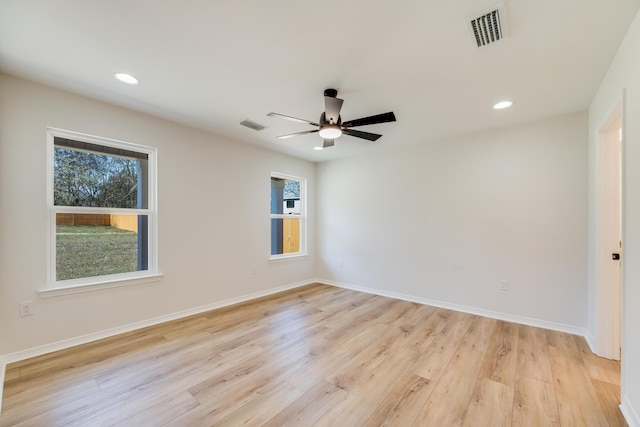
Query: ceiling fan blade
[
  {"x": 360, "y": 134},
  {"x": 332, "y": 107},
  {"x": 282, "y": 116},
  {"x": 371, "y": 120},
  {"x": 328, "y": 143},
  {"x": 291, "y": 135}
]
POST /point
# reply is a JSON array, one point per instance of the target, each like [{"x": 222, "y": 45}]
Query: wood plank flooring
[{"x": 320, "y": 356}]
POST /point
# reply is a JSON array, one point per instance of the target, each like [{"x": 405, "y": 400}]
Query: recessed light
[
  {"x": 318, "y": 148},
  {"x": 502, "y": 105},
  {"x": 126, "y": 78}
]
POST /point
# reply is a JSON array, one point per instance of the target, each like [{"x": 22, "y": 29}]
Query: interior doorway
[{"x": 609, "y": 236}]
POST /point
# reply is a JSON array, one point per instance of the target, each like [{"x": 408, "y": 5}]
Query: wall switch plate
[
  {"x": 504, "y": 285},
  {"x": 26, "y": 308}
]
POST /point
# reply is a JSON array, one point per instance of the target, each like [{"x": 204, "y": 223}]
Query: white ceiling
[{"x": 212, "y": 63}]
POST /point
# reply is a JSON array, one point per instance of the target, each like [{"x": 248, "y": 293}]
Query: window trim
[
  {"x": 303, "y": 218},
  {"x": 54, "y": 287}
]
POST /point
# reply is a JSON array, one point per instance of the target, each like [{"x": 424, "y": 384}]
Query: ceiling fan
[{"x": 330, "y": 126}]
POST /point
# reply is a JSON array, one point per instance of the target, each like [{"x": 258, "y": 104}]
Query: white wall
[
  {"x": 206, "y": 250},
  {"x": 623, "y": 75},
  {"x": 447, "y": 221}
]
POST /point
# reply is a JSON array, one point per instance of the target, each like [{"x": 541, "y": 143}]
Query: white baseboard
[
  {"x": 84, "y": 339},
  {"x": 560, "y": 327},
  {"x": 591, "y": 341},
  {"x": 629, "y": 414}
]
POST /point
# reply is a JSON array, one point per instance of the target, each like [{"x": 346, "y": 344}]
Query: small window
[
  {"x": 102, "y": 207},
  {"x": 288, "y": 225}
]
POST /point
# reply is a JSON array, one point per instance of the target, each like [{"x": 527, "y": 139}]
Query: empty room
[{"x": 319, "y": 214}]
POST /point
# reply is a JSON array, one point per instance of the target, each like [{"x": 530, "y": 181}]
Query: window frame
[
  {"x": 59, "y": 287},
  {"x": 303, "y": 218}
]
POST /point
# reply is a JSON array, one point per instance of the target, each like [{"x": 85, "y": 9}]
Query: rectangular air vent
[
  {"x": 252, "y": 125},
  {"x": 488, "y": 27}
]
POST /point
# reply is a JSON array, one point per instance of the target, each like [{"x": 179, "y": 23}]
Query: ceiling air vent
[
  {"x": 489, "y": 27},
  {"x": 252, "y": 125}
]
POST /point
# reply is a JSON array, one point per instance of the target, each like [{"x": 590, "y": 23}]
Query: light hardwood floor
[{"x": 320, "y": 356}]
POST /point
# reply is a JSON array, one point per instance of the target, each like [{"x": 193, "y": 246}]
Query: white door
[{"x": 609, "y": 235}]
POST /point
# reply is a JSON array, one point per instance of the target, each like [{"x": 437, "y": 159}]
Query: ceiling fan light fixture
[{"x": 330, "y": 132}]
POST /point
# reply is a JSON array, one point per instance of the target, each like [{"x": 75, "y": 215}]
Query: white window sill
[
  {"x": 288, "y": 257},
  {"x": 99, "y": 285}
]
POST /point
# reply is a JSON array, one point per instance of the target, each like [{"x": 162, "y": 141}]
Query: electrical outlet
[
  {"x": 255, "y": 269},
  {"x": 504, "y": 285},
  {"x": 26, "y": 308}
]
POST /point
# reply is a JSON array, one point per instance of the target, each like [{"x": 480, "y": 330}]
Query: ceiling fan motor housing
[{"x": 323, "y": 120}]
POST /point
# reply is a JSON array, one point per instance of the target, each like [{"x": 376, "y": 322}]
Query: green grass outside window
[{"x": 89, "y": 251}]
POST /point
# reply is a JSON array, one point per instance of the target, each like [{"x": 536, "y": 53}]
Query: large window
[
  {"x": 288, "y": 225},
  {"x": 102, "y": 210}
]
